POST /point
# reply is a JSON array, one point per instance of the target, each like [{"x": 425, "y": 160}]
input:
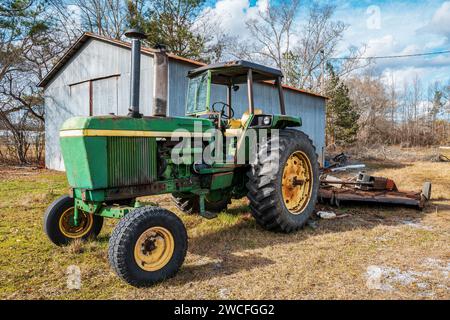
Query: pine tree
[
  {"x": 171, "y": 23},
  {"x": 342, "y": 116}
]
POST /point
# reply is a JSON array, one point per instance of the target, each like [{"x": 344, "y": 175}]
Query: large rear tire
[
  {"x": 283, "y": 186},
  {"x": 59, "y": 225},
  {"x": 147, "y": 246}
]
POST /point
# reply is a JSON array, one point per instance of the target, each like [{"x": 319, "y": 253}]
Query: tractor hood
[
  {"x": 106, "y": 125},
  {"x": 108, "y": 152}
]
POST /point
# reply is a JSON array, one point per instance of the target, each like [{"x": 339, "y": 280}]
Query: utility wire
[{"x": 392, "y": 57}]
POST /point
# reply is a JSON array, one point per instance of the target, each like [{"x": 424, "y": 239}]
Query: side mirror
[{"x": 235, "y": 88}]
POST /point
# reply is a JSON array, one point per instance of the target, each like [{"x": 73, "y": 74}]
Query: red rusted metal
[
  {"x": 336, "y": 195},
  {"x": 370, "y": 189}
]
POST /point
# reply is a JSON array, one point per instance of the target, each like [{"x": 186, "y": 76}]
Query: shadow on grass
[
  {"x": 229, "y": 247},
  {"x": 439, "y": 206},
  {"x": 103, "y": 239},
  {"x": 238, "y": 210},
  {"x": 228, "y": 250},
  {"x": 385, "y": 164}
]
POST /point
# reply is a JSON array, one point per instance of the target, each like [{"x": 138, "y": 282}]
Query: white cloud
[
  {"x": 405, "y": 28},
  {"x": 440, "y": 23},
  {"x": 427, "y": 75},
  {"x": 380, "y": 46},
  {"x": 232, "y": 14},
  {"x": 436, "y": 43}
]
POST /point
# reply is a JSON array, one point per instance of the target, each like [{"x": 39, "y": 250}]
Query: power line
[{"x": 392, "y": 57}]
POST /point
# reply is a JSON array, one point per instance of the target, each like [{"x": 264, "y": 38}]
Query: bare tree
[
  {"x": 17, "y": 133},
  {"x": 218, "y": 45},
  {"x": 28, "y": 44},
  {"x": 370, "y": 96},
  {"x": 319, "y": 40},
  {"x": 108, "y": 18},
  {"x": 300, "y": 49},
  {"x": 271, "y": 32}
]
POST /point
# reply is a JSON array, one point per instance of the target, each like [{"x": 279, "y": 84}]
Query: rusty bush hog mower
[
  {"x": 112, "y": 160},
  {"x": 369, "y": 189}
]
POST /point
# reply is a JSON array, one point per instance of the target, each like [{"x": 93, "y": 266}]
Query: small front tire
[
  {"x": 58, "y": 222},
  {"x": 147, "y": 246}
]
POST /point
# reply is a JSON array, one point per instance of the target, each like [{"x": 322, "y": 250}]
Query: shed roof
[{"x": 81, "y": 41}]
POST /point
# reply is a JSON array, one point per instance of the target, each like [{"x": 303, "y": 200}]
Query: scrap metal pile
[{"x": 365, "y": 188}]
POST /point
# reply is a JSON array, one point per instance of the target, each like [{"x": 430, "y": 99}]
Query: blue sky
[{"x": 384, "y": 27}]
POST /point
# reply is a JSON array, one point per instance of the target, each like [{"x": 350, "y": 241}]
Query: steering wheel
[{"x": 223, "y": 113}]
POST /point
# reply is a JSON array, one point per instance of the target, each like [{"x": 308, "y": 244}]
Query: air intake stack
[
  {"x": 160, "y": 81},
  {"x": 135, "y": 79}
]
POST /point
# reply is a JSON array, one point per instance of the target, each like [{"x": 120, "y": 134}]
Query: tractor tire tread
[
  {"x": 122, "y": 239},
  {"x": 262, "y": 184}
]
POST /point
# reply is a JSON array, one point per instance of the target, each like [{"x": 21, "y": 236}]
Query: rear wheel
[
  {"x": 147, "y": 246},
  {"x": 283, "y": 185},
  {"x": 190, "y": 204},
  {"x": 59, "y": 224}
]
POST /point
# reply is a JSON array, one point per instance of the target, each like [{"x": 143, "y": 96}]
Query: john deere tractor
[{"x": 112, "y": 160}]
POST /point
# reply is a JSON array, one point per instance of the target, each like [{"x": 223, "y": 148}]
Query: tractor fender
[{"x": 284, "y": 121}]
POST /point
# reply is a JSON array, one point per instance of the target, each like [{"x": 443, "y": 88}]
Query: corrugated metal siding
[
  {"x": 99, "y": 59},
  {"x": 105, "y": 96},
  {"x": 67, "y": 95},
  {"x": 178, "y": 85}
]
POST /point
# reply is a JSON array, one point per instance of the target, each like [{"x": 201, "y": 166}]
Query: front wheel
[
  {"x": 147, "y": 246},
  {"x": 284, "y": 182},
  {"x": 59, "y": 222}
]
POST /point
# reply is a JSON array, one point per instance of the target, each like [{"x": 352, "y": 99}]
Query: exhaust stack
[
  {"x": 135, "y": 78},
  {"x": 160, "y": 81}
]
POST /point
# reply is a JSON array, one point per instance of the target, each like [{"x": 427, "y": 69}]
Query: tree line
[{"x": 363, "y": 107}]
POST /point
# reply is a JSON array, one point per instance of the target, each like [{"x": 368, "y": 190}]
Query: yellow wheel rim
[
  {"x": 154, "y": 248},
  {"x": 297, "y": 182},
  {"x": 68, "y": 228}
]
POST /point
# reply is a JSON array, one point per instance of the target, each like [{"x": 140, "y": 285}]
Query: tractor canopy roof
[{"x": 235, "y": 72}]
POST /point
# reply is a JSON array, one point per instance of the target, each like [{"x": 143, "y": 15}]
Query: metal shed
[{"x": 93, "y": 78}]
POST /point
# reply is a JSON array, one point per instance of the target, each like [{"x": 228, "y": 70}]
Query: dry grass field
[{"x": 371, "y": 253}]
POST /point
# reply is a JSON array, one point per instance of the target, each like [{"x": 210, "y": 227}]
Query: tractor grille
[{"x": 131, "y": 161}]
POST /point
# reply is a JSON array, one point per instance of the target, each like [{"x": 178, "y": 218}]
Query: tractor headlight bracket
[{"x": 261, "y": 121}]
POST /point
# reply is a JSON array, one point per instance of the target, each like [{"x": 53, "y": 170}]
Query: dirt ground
[{"x": 373, "y": 253}]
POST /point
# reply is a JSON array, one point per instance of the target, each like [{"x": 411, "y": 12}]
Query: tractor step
[
  {"x": 203, "y": 212},
  {"x": 208, "y": 215}
]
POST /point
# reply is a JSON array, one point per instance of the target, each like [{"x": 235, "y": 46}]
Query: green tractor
[{"x": 112, "y": 160}]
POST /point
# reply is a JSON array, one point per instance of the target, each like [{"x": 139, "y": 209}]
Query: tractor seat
[{"x": 240, "y": 123}]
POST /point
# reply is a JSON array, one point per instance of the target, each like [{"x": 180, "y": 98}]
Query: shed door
[
  {"x": 105, "y": 96},
  {"x": 79, "y": 99}
]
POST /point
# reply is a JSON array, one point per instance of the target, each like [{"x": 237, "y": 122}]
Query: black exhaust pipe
[{"x": 135, "y": 78}]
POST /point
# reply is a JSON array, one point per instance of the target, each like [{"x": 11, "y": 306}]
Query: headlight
[{"x": 261, "y": 121}]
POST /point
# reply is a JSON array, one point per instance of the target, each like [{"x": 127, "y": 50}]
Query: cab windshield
[{"x": 198, "y": 94}]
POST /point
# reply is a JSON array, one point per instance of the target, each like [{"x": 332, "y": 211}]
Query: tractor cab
[{"x": 200, "y": 101}]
